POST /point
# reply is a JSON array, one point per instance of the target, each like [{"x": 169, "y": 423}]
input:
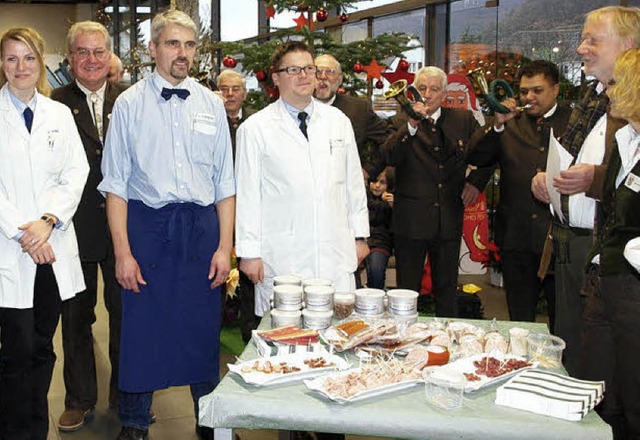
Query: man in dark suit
[
  {"x": 232, "y": 86},
  {"x": 429, "y": 155},
  {"x": 90, "y": 98},
  {"x": 518, "y": 142},
  {"x": 367, "y": 126}
]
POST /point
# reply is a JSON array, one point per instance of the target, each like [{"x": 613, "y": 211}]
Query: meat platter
[
  {"x": 483, "y": 370},
  {"x": 277, "y": 370}
]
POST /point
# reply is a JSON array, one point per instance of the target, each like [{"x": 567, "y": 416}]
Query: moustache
[{"x": 180, "y": 60}]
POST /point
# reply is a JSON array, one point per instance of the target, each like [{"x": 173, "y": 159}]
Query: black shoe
[
  {"x": 129, "y": 433},
  {"x": 204, "y": 433}
]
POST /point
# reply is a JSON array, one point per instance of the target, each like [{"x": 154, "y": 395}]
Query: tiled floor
[{"x": 173, "y": 407}]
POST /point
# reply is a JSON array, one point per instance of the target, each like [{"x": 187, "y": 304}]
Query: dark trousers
[
  {"x": 520, "y": 273},
  {"x": 443, "y": 257},
  {"x": 570, "y": 256},
  {"x": 78, "y": 315},
  {"x": 610, "y": 349},
  {"x": 27, "y": 360},
  {"x": 376, "y": 264},
  {"x": 248, "y": 319}
]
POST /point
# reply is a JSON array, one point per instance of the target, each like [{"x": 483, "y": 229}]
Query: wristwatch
[{"x": 49, "y": 219}]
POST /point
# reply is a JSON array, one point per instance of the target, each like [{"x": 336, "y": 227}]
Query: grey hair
[
  {"x": 172, "y": 16},
  {"x": 86, "y": 27},
  {"x": 431, "y": 72}
]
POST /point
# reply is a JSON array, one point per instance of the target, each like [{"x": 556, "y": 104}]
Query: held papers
[{"x": 558, "y": 160}]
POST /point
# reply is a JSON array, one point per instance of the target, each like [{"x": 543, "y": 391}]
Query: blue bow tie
[{"x": 181, "y": 93}]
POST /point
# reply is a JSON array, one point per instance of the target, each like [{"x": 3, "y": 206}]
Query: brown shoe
[{"x": 74, "y": 419}]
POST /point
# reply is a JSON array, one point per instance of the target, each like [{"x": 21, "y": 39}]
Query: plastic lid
[
  {"x": 287, "y": 289},
  {"x": 402, "y": 293},
  {"x": 285, "y": 313},
  {"x": 316, "y": 314},
  {"x": 316, "y": 282},
  {"x": 287, "y": 279},
  {"x": 319, "y": 290},
  {"x": 370, "y": 293},
  {"x": 344, "y": 297}
]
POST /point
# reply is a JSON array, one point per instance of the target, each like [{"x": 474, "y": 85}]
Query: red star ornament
[
  {"x": 397, "y": 75},
  {"x": 374, "y": 70},
  {"x": 270, "y": 11},
  {"x": 301, "y": 21}
]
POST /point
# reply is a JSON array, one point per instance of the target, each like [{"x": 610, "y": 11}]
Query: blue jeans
[
  {"x": 135, "y": 407},
  {"x": 376, "y": 264}
]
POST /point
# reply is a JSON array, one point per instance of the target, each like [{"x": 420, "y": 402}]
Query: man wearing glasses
[
  {"x": 168, "y": 179},
  {"x": 302, "y": 207},
  {"x": 90, "y": 98},
  {"x": 367, "y": 126}
]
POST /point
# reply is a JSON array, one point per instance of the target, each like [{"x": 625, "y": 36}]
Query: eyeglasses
[
  {"x": 296, "y": 70},
  {"x": 327, "y": 72},
  {"x": 611, "y": 82},
  {"x": 99, "y": 53}
]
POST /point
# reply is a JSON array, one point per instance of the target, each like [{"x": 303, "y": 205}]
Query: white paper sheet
[{"x": 558, "y": 160}]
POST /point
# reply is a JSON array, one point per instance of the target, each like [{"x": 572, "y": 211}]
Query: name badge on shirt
[
  {"x": 204, "y": 123},
  {"x": 52, "y": 138},
  {"x": 632, "y": 182}
]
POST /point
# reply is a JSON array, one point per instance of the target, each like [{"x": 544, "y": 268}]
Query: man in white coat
[{"x": 301, "y": 202}]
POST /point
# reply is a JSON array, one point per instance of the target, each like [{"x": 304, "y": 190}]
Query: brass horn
[
  {"x": 406, "y": 95},
  {"x": 492, "y": 93}
]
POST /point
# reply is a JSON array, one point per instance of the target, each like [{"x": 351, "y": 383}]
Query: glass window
[
  {"x": 238, "y": 19},
  {"x": 499, "y": 39},
  {"x": 413, "y": 23}
]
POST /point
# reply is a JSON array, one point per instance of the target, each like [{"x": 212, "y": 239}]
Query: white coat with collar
[
  {"x": 300, "y": 203},
  {"x": 41, "y": 172}
]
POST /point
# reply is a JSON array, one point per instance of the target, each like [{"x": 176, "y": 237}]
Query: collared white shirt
[
  {"x": 582, "y": 209},
  {"x": 434, "y": 116},
  {"x": 629, "y": 148},
  {"x": 99, "y": 103}
]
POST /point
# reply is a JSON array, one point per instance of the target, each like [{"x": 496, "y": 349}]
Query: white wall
[{"x": 51, "y": 21}]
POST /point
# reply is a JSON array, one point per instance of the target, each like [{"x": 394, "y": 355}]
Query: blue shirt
[
  {"x": 174, "y": 151},
  {"x": 294, "y": 111}
]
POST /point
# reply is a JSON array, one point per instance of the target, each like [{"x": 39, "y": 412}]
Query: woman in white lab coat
[{"x": 42, "y": 174}]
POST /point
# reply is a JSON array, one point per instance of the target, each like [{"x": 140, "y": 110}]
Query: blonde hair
[
  {"x": 86, "y": 27},
  {"x": 624, "y": 22},
  {"x": 34, "y": 41},
  {"x": 172, "y": 16},
  {"x": 624, "y": 93}
]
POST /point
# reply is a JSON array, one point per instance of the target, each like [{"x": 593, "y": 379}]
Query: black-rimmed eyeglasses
[{"x": 296, "y": 70}]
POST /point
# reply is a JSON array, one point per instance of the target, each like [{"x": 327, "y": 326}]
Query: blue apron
[{"x": 170, "y": 330}]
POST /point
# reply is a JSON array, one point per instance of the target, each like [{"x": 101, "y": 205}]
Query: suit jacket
[
  {"x": 521, "y": 151},
  {"x": 367, "y": 126},
  {"x": 233, "y": 127},
  {"x": 430, "y": 174},
  {"x": 90, "y": 219}
]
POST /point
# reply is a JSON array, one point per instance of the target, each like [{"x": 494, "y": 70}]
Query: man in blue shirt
[{"x": 168, "y": 179}]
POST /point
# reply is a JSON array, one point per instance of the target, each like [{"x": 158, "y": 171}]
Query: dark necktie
[
  {"x": 181, "y": 93},
  {"x": 28, "y": 118},
  {"x": 303, "y": 123}
]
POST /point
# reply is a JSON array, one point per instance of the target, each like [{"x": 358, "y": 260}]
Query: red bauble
[
  {"x": 379, "y": 84},
  {"x": 273, "y": 92},
  {"x": 341, "y": 91},
  {"x": 229, "y": 62},
  {"x": 322, "y": 14},
  {"x": 260, "y": 75},
  {"x": 403, "y": 65},
  {"x": 344, "y": 17},
  {"x": 358, "y": 67}
]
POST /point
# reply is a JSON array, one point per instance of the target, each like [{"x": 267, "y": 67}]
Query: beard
[{"x": 179, "y": 72}]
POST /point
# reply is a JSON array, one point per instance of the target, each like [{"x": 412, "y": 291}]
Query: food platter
[
  {"x": 277, "y": 370},
  {"x": 319, "y": 384},
  {"x": 475, "y": 369}
]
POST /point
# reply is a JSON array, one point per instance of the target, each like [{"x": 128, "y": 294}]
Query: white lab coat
[
  {"x": 41, "y": 172},
  {"x": 300, "y": 203}
]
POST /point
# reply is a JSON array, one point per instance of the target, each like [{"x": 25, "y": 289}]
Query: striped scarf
[{"x": 583, "y": 118}]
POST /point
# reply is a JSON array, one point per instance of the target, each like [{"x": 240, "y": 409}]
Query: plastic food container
[
  {"x": 444, "y": 388},
  {"x": 280, "y": 318},
  {"x": 343, "y": 304},
  {"x": 293, "y": 280},
  {"x": 319, "y": 298},
  {"x": 545, "y": 349},
  {"x": 316, "y": 282},
  {"x": 316, "y": 320},
  {"x": 518, "y": 344},
  {"x": 406, "y": 319},
  {"x": 369, "y": 302},
  {"x": 287, "y": 297},
  {"x": 402, "y": 302}
]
